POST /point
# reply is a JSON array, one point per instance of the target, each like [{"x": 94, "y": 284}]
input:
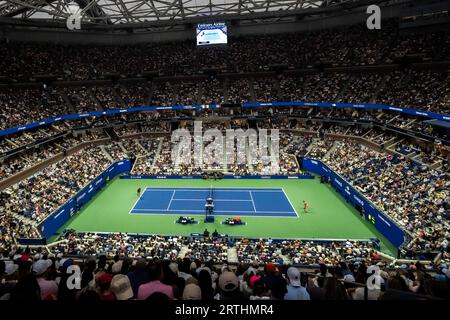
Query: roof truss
[{"x": 141, "y": 11}]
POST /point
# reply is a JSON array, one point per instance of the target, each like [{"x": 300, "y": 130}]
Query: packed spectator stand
[
  {"x": 406, "y": 177},
  {"x": 127, "y": 267}
]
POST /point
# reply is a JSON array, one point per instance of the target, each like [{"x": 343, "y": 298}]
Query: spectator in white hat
[
  {"x": 192, "y": 292},
  {"x": 121, "y": 287},
  {"x": 295, "y": 290},
  {"x": 49, "y": 288},
  {"x": 229, "y": 287}
]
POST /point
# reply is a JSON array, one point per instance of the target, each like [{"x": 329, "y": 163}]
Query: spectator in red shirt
[
  {"x": 26, "y": 255},
  {"x": 103, "y": 283},
  {"x": 376, "y": 256}
]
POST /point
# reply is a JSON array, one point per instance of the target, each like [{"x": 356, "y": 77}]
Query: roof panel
[{"x": 120, "y": 11}]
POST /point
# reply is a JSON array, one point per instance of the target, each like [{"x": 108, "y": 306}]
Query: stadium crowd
[
  {"x": 412, "y": 87},
  {"x": 413, "y": 195},
  {"x": 346, "y": 46},
  {"x": 34, "y": 104},
  {"x": 125, "y": 267},
  {"x": 410, "y": 192},
  {"x": 408, "y": 180},
  {"x": 41, "y": 194}
]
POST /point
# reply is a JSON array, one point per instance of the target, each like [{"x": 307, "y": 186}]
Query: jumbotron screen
[{"x": 212, "y": 33}]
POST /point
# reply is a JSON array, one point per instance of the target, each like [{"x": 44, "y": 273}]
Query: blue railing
[
  {"x": 56, "y": 220},
  {"x": 383, "y": 223},
  {"x": 112, "y": 112}
]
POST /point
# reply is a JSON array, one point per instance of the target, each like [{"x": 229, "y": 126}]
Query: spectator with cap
[
  {"x": 295, "y": 290},
  {"x": 121, "y": 287},
  {"x": 103, "y": 284},
  {"x": 192, "y": 292},
  {"x": 270, "y": 270},
  {"x": 48, "y": 288},
  {"x": 229, "y": 287}
]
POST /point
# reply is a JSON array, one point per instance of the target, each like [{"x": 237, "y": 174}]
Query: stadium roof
[{"x": 154, "y": 12}]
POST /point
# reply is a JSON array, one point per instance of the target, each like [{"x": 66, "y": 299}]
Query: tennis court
[
  {"x": 255, "y": 202},
  {"x": 329, "y": 217}
]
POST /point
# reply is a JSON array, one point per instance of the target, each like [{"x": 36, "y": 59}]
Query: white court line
[
  {"x": 142, "y": 193},
  {"x": 231, "y": 211},
  {"x": 290, "y": 202},
  {"x": 218, "y": 215},
  {"x": 134, "y": 205},
  {"x": 173, "y": 194},
  {"x": 224, "y": 190},
  {"x": 215, "y": 200},
  {"x": 216, "y": 189},
  {"x": 200, "y": 188},
  {"x": 253, "y": 202}
]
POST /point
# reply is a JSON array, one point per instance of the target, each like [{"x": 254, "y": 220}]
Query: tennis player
[{"x": 305, "y": 206}]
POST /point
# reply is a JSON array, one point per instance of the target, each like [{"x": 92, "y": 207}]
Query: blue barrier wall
[
  {"x": 431, "y": 115},
  {"x": 32, "y": 241},
  {"x": 385, "y": 225},
  {"x": 224, "y": 177},
  {"x": 52, "y": 223}
]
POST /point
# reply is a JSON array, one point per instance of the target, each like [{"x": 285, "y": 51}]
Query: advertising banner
[
  {"x": 384, "y": 224},
  {"x": 53, "y": 222}
]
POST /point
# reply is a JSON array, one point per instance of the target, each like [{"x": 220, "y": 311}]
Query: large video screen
[{"x": 212, "y": 33}]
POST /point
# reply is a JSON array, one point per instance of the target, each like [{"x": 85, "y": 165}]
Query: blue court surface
[{"x": 258, "y": 202}]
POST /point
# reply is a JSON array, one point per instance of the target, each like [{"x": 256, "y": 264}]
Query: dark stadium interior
[{"x": 397, "y": 157}]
